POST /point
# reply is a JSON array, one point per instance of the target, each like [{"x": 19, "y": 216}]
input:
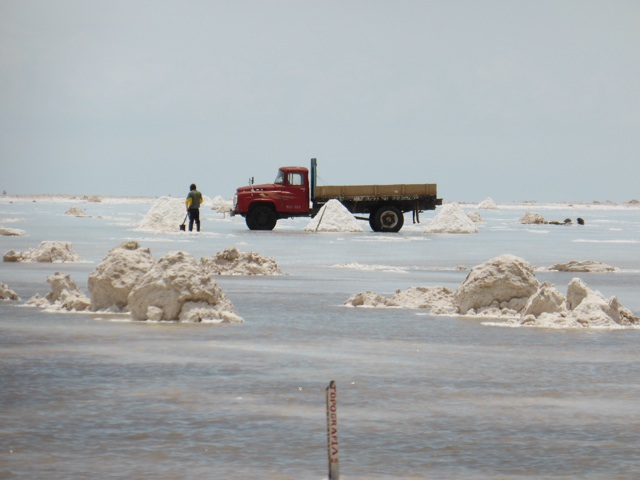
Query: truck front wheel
[
  {"x": 261, "y": 217},
  {"x": 387, "y": 219}
]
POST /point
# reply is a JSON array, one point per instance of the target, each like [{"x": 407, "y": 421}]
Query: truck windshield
[{"x": 279, "y": 178}]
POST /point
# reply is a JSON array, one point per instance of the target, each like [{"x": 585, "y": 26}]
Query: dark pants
[{"x": 194, "y": 216}]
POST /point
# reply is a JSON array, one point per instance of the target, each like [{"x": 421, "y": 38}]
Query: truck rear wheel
[
  {"x": 373, "y": 223},
  {"x": 261, "y": 217},
  {"x": 387, "y": 219}
]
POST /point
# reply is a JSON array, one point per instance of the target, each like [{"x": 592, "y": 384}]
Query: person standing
[{"x": 193, "y": 202}]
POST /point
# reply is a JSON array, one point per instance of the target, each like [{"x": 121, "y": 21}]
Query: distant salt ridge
[
  {"x": 333, "y": 217},
  {"x": 132, "y": 199},
  {"x": 69, "y": 198},
  {"x": 370, "y": 268}
]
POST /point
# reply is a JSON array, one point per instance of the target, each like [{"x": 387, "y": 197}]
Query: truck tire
[
  {"x": 373, "y": 223},
  {"x": 261, "y": 217},
  {"x": 387, "y": 219}
]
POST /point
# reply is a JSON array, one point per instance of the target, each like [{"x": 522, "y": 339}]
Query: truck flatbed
[{"x": 390, "y": 192}]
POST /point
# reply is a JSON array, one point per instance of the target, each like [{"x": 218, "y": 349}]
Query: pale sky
[{"x": 513, "y": 100}]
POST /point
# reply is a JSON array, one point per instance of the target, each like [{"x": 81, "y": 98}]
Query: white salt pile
[
  {"x": 439, "y": 300},
  {"x": 583, "y": 266},
  {"x": 500, "y": 285},
  {"x": 179, "y": 288},
  {"x": 531, "y": 218},
  {"x": 64, "y": 295},
  {"x": 333, "y": 217},
  {"x": 488, "y": 204},
  {"x": 221, "y": 205},
  {"x": 114, "y": 278},
  {"x": 451, "y": 219},
  {"x": 52, "y": 252},
  {"x": 505, "y": 287},
  {"x": 369, "y": 299},
  {"x": 164, "y": 215},
  {"x": 11, "y": 232},
  {"x": 233, "y": 262},
  {"x": 167, "y": 213},
  {"x": 475, "y": 217},
  {"x": 582, "y": 308},
  {"x": 6, "y": 294},
  {"x": 75, "y": 212}
]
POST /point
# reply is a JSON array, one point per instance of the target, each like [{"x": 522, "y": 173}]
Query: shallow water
[{"x": 418, "y": 396}]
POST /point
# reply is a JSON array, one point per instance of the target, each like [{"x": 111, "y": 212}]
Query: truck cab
[{"x": 262, "y": 205}]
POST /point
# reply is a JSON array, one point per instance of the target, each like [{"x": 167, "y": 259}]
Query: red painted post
[{"x": 332, "y": 431}]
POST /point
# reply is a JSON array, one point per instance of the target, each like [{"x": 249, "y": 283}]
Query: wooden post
[{"x": 332, "y": 431}]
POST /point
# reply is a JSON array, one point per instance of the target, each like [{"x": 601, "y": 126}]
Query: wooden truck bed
[{"x": 361, "y": 192}]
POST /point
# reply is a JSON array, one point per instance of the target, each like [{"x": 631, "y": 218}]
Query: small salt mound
[
  {"x": 488, "y": 204},
  {"x": 233, "y": 262},
  {"x": 11, "y": 232},
  {"x": 76, "y": 212},
  {"x": 546, "y": 300},
  {"x": 167, "y": 213},
  {"x": 164, "y": 215},
  {"x": 451, "y": 219},
  {"x": 179, "y": 288},
  {"x": 531, "y": 218},
  {"x": 584, "y": 266},
  {"x": 333, "y": 217},
  {"x": 114, "y": 278},
  {"x": 439, "y": 300},
  {"x": 368, "y": 300},
  {"x": 47, "y": 252},
  {"x": 64, "y": 295},
  {"x": 6, "y": 294}
]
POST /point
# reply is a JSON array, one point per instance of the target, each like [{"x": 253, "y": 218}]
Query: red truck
[{"x": 294, "y": 193}]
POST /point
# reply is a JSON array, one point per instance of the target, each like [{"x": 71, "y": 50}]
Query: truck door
[{"x": 295, "y": 194}]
